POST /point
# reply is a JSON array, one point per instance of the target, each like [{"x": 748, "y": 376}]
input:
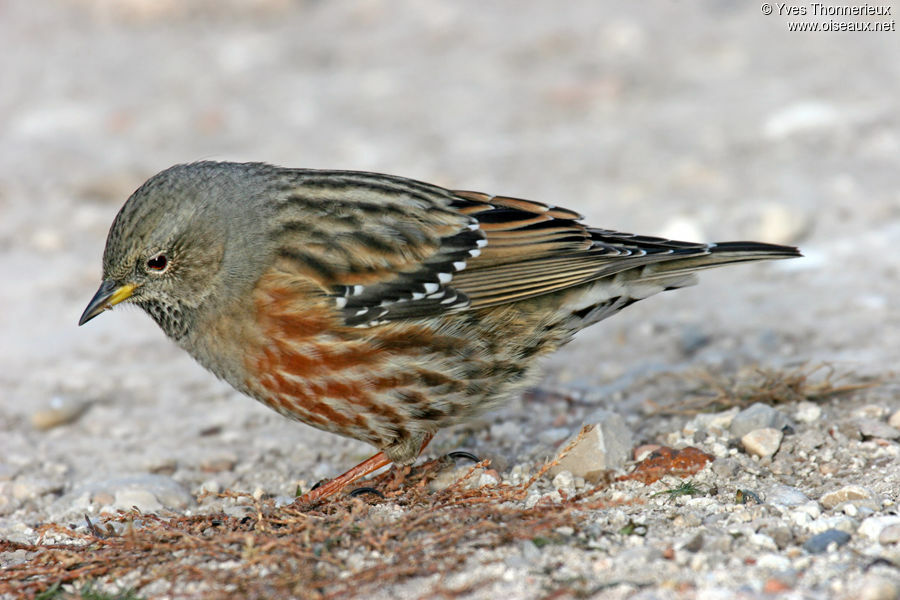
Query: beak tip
[
  {"x": 90, "y": 312},
  {"x": 110, "y": 293}
]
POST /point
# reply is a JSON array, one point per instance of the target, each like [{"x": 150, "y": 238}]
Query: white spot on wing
[
  {"x": 431, "y": 288},
  {"x": 358, "y": 289},
  {"x": 481, "y": 243},
  {"x": 340, "y": 302},
  {"x": 474, "y": 252},
  {"x": 459, "y": 265},
  {"x": 417, "y": 295},
  {"x": 444, "y": 277}
]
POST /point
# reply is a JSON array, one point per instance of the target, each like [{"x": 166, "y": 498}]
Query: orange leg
[{"x": 367, "y": 466}]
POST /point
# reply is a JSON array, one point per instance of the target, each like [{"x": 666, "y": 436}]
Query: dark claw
[
  {"x": 366, "y": 490},
  {"x": 93, "y": 528},
  {"x": 464, "y": 454},
  {"x": 318, "y": 484}
]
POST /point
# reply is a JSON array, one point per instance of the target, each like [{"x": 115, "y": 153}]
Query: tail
[
  {"x": 717, "y": 255},
  {"x": 665, "y": 271}
]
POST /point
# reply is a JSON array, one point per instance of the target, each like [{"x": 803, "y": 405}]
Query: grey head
[{"x": 182, "y": 240}]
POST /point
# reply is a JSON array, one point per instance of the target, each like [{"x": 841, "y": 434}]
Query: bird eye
[{"x": 158, "y": 263}]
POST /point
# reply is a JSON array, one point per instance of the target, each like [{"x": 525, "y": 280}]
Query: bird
[{"x": 373, "y": 306}]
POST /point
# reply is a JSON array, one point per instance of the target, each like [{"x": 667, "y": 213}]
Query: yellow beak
[{"x": 109, "y": 294}]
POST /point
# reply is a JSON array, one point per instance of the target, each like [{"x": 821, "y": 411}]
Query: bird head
[{"x": 167, "y": 250}]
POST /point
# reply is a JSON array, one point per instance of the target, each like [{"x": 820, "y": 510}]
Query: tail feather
[
  {"x": 608, "y": 295},
  {"x": 722, "y": 253}
]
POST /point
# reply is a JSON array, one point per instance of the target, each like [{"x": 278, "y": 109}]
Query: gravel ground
[{"x": 704, "y": 121}]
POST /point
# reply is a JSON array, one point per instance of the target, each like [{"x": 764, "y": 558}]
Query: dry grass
[
  {"x": 712, "y": 392},
  {"x": 337, "y": 548}
]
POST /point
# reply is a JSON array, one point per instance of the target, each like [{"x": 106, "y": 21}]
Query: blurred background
[{"x": 706, "y": 120}]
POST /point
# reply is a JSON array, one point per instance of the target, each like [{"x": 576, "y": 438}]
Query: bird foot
[{"x": 329, "y": 488}]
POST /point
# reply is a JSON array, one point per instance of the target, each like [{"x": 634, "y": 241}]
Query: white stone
[
  {"x": 773, "y": 562},
  {"x": 840, "y": 522},
  {"x": 143, "y": 500},
  {"x": 848, "y": 493},
  {"x": 762, "y": 442},
  {"x": 872, "y": 527},
  {"x": 808, "y": 412},
  {"x": 763, "y": 541},
  {"x": 894, "y": 420},
  {"x": 603, "y": 445}
]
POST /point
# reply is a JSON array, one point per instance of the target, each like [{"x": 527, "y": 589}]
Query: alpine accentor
[{"x": 373, "y": 306}]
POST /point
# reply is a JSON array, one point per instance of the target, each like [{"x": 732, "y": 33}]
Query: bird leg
[{"x": 370, "y": 465}]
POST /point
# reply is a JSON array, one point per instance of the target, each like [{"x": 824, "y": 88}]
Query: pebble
[
  {"x": 762, "y": 442},
  {"x": 873, "y": 428},
  {"x": 757, "y": 416},
  {"x": 849, "y": 428},
  {"x": 488, "y": 478},
  {"x": 452, "y": 475},
  {"x": 726, "y": 467},
  {"x": 565, "y": 481},
  {"x": 890, "y": 534},
  {"x": 839, "y": 522},
  {"x": 820, "y": 542},
  {"x": 894, "y": 420},
  {"x": 782, "y": 535},
  {"x": 147, "y": 492},
  {"x": 211, "y": 486},
  {"x": 60, "y": 410},
  {"x": 848, "y": 493},
  {"x": 719, "y": 450},
  {"x": 695, "y": 544},
  {"x": 870, "y": 411},
  {"x": 808, "y": 412},
  {"x": 763, "y": 541},
  {"x": 605, "y": 445},
  {"x": 142, "y": 499},
  {"x": 874, "y": 587},
  {"x": 773, "y": 562},
  {"x": 807, "y": 441},
  {"x": 712, "y": 422},
  {"x": 785, "y": 495},
  {"x": 800, "y": 518},
  {"x": 873, "y": 527},
  {"x": 643, "y": 451}
]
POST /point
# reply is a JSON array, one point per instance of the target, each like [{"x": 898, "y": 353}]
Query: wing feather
[{"x": 387, "y": 248}]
